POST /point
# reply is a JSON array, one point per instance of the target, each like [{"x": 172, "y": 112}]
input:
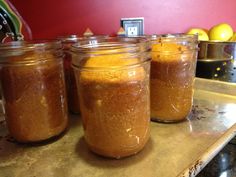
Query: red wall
[{"x": 50, "y": 18}]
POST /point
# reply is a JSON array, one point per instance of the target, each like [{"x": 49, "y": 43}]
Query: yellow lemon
[
  {"x": 221, "y": 32},
  {"x": 233, "y": 38},
  {"x": 202, "y": 33}
]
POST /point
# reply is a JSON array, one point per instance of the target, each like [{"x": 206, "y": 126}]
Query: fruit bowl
[{"x": 217, "y": 60}]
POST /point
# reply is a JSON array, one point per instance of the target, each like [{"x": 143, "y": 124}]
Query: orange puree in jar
[
  {"x": 34, "y": 97},
  {"x": 172, "y": 74},
  {"x": 114, "y": 98}
]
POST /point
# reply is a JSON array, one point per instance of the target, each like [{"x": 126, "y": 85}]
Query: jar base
[
  {"x": 154, "y": 119},
  {"x": 40, "y": 142},
  {"x": 113, "y": 155}
]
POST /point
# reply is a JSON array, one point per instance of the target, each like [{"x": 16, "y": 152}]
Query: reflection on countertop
[{"x": 224, "y": 164}]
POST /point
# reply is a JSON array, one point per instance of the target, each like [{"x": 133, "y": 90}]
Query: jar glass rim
[
  {"x": 112, "y": 44},
  {"x": 172, "y": 36},
  {"x": 29, "y": 52},
  {"x": 69, "y": 38},
  {"x": 112, "y": 68},
  {"x": 76, "y": 38},
  {"x": 31, "y": 45},
  {"x": 123, "y": 48},
  {"x": 189, "y": 40}
]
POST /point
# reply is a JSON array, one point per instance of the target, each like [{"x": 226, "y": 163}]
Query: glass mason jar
[
  {"x": 172, "y": 76},
  {"x": 72, "y": 94},
  {"x": 33, "y": 89},
  {"x": 113, "y": 84}
]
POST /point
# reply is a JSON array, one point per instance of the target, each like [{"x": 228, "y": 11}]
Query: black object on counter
[
  {"x": 217, "y": 60},
  {"x": 6, "y": 26}
]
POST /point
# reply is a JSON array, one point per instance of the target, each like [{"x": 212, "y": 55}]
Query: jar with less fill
[
  {"x": 72, "y": 94},
  {"x": 172, "y": 76},
  {"x": 113, "y": 83},
  {"x": 33, "y": 89}
]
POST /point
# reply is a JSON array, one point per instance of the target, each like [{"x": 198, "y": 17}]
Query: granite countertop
[
  {"x": 223, "y": 165},
  {"x": 181, "y": 149}
]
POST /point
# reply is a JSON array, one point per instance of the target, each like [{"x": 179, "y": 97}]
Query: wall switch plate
[{"x": 133, "y": 26}]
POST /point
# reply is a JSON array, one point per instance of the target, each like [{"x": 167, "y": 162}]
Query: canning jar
[
  {"x": 72, "y": 95},
  {"x": 172, "y": 76},
  {"x": 113, "y": 84},
  {"x": 33, "y": 89}
]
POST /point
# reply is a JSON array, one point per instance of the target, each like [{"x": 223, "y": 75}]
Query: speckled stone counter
[
  {"x": 181, "y": 149},
  {"x": 223, "y": 165}
]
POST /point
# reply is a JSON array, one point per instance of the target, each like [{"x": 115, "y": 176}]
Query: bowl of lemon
[{"x": 217, "y": 52}]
